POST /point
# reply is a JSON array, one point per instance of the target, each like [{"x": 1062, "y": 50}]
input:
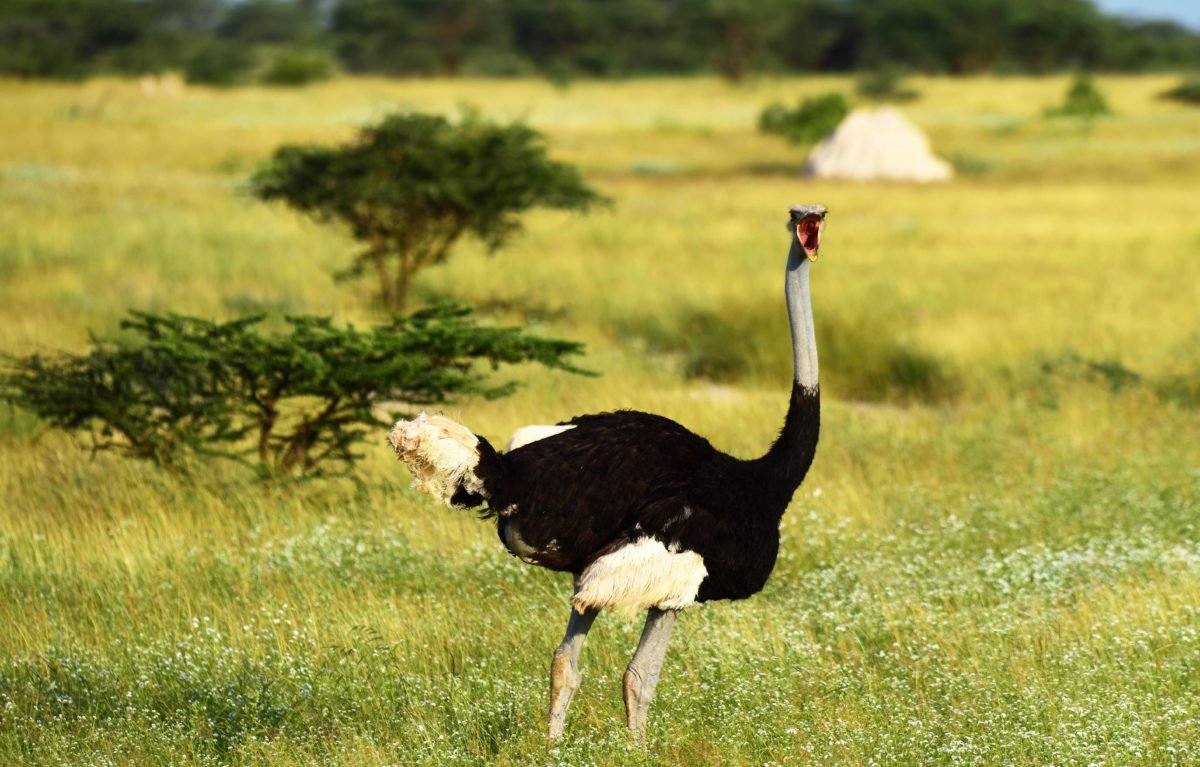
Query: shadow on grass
[
  {"x": 862, "y": 355},
  {"x": 1178, "y": 384}
]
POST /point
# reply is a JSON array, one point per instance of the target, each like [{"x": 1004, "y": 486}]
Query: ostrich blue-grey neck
[
  {"x": 800, "y": 317},
  {"x": 787, "y": 462}
]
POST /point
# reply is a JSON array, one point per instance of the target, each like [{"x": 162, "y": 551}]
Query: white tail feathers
[
  {"x": 441, "y": 455},
  {"x": 534, "y": 432}
]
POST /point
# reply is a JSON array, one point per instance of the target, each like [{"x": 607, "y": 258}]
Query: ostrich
[{"x": 645, "y": 514}]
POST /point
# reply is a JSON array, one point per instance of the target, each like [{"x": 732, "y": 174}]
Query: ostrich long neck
[
  {"x": 789, "y": 458},
  {"x": 799, "y": 307}
]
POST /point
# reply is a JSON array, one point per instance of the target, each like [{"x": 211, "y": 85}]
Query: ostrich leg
[
  {"x": 564, "y": 669},
  {"x": 641, "y": 677}
]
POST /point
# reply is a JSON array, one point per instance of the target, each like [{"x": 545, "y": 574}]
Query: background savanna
[{"x": 994, "y": 560}]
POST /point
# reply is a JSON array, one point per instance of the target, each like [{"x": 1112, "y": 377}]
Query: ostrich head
[
  {"x": 441, "y": 455},
  {"x": 807, "y": 221}
]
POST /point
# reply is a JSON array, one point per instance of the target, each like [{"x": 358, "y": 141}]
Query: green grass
[{"x": 995, "y": 558}]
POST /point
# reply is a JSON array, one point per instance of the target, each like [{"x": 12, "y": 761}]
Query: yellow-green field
[{"x": 994, "y": 560}]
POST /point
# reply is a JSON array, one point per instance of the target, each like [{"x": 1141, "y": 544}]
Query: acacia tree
[
  {"x": 293, "y": 402},
  {"x": 410, "y": 186}
]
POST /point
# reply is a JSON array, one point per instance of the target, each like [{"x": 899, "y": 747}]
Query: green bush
[
  {"x": 809, "y": 122},
  {"x": 295, "y": 66},
  {"x": 220, "y": 63},
  {"x": 1187, "y": 92},
  {"x": 1083, "y": 99},
  {"x": 286, "y": 403}
]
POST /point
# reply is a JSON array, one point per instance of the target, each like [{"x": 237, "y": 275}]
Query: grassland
[{"x": 995, "y": 558}]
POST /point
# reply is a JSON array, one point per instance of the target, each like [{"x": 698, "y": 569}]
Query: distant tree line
[{"x": 227, "y": 41}]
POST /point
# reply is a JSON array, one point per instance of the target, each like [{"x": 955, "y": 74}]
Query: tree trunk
[
  {"x": 404, "y": 272},
  {"x": 452, "y": 63},
  {"x": 735, "y": 59},
  {"x": 306, "y": 435},
  {"x": 264, "y": 431},
  {"x": 387, "y": 290},
  {"x": 297, "y": 451}
]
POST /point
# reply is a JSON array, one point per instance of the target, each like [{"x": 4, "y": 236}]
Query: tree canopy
[
  {"x": 177, "y": 388},
  {"x": 411, "y": 185}
]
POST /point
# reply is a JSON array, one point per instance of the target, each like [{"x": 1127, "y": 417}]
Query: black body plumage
[{"x": 614, "y": 478}]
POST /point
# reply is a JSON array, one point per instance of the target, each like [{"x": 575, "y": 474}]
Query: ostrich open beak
[{"x": 808, "y": 232}]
